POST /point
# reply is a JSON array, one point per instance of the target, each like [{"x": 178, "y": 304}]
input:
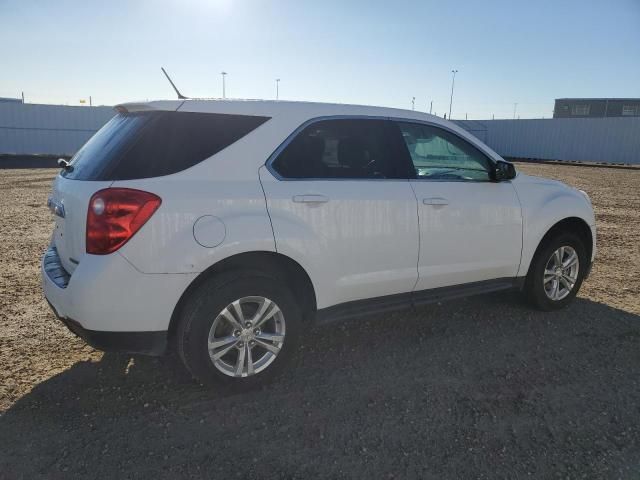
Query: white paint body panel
[
  {"x": 364, "y": 242},
  {"x": 106, "y": 293},
  {"x": 361, "y": 243},
  {"x": 476, "y": 236},
  {"x": 544, "y": 203},
  {"x": 209, "y": 231},
  {"x": 166, "y": 243}
]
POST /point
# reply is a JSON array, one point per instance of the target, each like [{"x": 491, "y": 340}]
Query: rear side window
[
  {"x": 152, "y": 144},
  {"x": 344, "y": 148}
]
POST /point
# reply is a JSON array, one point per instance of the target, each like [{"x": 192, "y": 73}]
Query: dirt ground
[{"x": 482, "y": 388}]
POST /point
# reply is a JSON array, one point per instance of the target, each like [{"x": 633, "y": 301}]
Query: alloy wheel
[
  {"x": 561, "y": 273},
  {"x": 246, "y": 336}
]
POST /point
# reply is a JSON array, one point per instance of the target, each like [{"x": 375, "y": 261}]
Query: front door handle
[
  {"x": 310, "y": 198},
  {"x": 435, "y": 201}
]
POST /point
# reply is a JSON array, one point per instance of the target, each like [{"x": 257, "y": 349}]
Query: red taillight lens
[{"x": 115, "y": 215}]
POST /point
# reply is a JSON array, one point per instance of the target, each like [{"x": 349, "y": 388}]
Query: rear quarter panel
[
  {"x": 226, "y": 186},
  {"x": 166, "y": 243}
]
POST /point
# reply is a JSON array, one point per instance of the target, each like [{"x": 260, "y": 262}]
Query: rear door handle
[
  {"x": 310, "y": 198},
  {"x": 435, "y": 201}
]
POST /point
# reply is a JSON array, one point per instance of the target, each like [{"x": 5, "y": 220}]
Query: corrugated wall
[
  {"x": 608, "y": 140},
  {"x": 60, "y": 130},
  {"x": 30, "y": 129}
]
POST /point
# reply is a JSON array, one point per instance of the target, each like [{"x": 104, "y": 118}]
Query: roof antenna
[{"x": 180, "y": 96}]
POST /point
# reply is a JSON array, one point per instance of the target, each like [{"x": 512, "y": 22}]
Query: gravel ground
[{"x": 482, "y": 388}]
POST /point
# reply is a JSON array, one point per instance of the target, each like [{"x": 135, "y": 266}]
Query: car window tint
[
  {"x": 152, "y": 144},
  {"x": 104, "y": 147},
  {"x": 441, "y": 155},
  {"x": 342, "y": 148}
]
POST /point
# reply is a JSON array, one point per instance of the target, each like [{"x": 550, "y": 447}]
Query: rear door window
[
  {"x": 344, "y": 149},
  {"x": 152, "y": 144}
]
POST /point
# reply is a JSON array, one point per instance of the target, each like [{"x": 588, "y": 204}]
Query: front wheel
[
  {"x": 556, "y": 272},
  {"x": 238, "y": 329}
]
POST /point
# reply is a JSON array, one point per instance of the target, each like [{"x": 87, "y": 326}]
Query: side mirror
[{"x": 503, "y": 171}]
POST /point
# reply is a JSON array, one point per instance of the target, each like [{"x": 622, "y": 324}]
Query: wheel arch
[
  {"x": 290, "y": 271},
  {"x": 575, "y": 225}
]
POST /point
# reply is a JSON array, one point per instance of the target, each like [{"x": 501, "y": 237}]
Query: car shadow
[{"x": 477, "y": 387}]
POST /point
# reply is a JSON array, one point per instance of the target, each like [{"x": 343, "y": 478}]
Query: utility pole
[
  {"x": 453, "y": 82},
  {"x": 224, "y": 74},
  {"x": 277, "y": 89},
  {"x": 430, "y": 107},
  {"x": 413, "y": 103},
  {"x": 515, "y": 105}
]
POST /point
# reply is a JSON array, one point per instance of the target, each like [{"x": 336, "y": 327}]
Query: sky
[{"x": 369, "y": 52}]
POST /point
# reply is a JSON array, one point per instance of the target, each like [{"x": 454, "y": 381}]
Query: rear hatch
[
  {"x": 135, "y": 145},
  {"x": 92, "y": 168},
  {"x": 69, "y": 201}
]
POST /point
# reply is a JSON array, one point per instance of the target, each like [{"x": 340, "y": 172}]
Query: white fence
[
  {"x": 606, "y": 140},
  {"x": 31, "y": 129}
]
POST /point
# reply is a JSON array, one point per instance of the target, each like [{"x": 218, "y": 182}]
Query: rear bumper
[
  {"x": 146, "y": 343},
  {"x": 110, "y": 304}
]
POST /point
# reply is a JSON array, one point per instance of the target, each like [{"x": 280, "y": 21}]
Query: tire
[
  {"x": 204, "y": 309},
  {"x": 539, "y": 285}
]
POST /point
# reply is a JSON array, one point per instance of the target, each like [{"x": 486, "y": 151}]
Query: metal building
[
  {"x": 29, "y": 129},
  {"x": 606, "y": 140},
  {"x": 596, "y": 107}
]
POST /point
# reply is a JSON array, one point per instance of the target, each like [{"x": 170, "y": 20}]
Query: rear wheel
[
  {"x": 557, "y": 272},
  {"x": 239, "y": 329}
]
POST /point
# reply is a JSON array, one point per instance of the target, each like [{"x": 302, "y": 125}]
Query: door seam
[
  {"x": 419, "y": 236},
  {"x": 266, "y": 207},
  {"x": 521, "y": 227}
]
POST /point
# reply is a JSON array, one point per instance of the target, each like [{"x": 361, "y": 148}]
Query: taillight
[{"x": 115, "y": 215}]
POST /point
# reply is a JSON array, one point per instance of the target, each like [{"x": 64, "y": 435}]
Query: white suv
[{"x": 224, "y": 227}]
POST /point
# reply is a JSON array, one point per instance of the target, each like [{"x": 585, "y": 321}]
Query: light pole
[
  {"x": 224, "y": 74},
  {"x": 453, "y": 82},
  {"x": 413, "y": 103},
  {"x": 277, "y": 89}
]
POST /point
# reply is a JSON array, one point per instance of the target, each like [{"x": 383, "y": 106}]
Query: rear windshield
[{"x": 152, "y": 144}]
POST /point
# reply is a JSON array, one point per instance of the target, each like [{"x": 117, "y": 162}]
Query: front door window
[{"x": 439, "y": 155}]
